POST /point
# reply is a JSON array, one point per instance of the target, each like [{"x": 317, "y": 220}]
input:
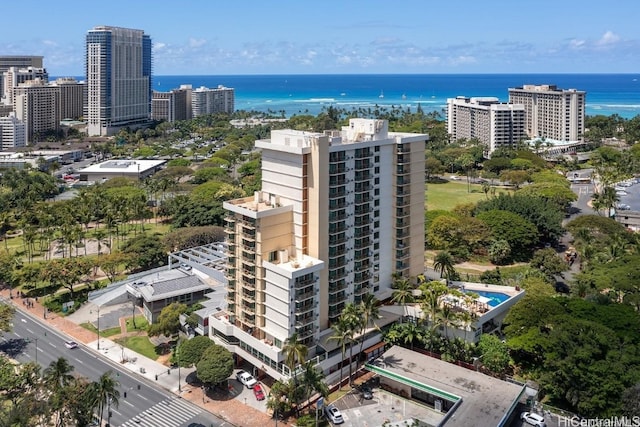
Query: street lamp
[
  {"x": 36, "y": 351},
  {"x": 178, "y": 357}
]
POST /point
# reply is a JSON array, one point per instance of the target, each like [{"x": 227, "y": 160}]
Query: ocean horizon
[{"x": 295, "y": 94}]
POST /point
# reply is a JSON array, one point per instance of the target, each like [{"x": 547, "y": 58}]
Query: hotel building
[
  {"x": 118, "y": 72},
  {"x": 172, "y": 106},
  {"x": 550, "y": 112},
  {"x": 36, "y": 105},
  {"x": 339, "y": 213},
  {"x": 209, "y": 101},
  {"x": 15, "y": 76},
  {"x": 493, "y": 123},
  {"x": 17, "y": 61},
  {"x": 71, "y": 99}
]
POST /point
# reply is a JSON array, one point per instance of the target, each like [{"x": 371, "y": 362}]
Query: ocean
[{"x": 607, "y": 94}]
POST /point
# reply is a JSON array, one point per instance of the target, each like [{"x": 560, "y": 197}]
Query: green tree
[
  {"x": 548, "y": 261},
  {"x": 402, "y": 292},
  {"x": 215, "y": 365},
  {"x": 342, "y": 333},
  {"x": 145, "y": 252},
  {"x": 192, "y": 350},
  {"x": 512, "y": 228},
  {"x": 494, "y": 353},
  {"x": 295, "y": 352},
  {"x": 106, "y": 394},
  {"x": 444, "y": 263},
  {"x": 168, "y": 323}
]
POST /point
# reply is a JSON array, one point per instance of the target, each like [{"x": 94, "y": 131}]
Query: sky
[{"x": 209, "y": 37}]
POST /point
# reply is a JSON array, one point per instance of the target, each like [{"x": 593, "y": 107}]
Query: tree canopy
[{"x": 215, "y": 365}]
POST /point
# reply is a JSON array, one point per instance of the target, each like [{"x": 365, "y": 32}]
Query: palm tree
[
  {"x": 352, "y": 316},
  {"x": 369, "y": 311},
  {"x": 57, "y": 377},
  {"x": 294, "y": 353},
  {"x": 313, "y": 381},
  {"x": 106, "y": 394},
  {"x": 402, "y": 293},
  {"x": 448, "y": 317},
  {"x": 443, "y": 263},
  {"x": 343, "y": 334}
]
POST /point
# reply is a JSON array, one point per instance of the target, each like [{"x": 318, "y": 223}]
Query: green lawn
[
  {"x": 106, "y": 333},
  {"x": 140, "y": 345},
  {"x": 448, "y": 195},
  {"x": 141, "y": 324}
]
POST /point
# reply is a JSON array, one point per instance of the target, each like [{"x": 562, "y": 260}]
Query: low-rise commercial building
[{"x": 134, "y": 169}]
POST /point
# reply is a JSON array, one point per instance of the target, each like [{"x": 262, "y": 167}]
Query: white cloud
[
  {"x": 577, "y": 44},
  {"x": 608, "y": 39},
  {"x": 197, "y": 42},
  {"x": 49, "y": 43}
]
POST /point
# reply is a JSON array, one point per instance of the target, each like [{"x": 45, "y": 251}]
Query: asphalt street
[{"x": 144, "y": 404}]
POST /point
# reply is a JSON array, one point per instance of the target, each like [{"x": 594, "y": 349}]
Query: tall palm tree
[
  {"x": 57, "y": 377},
  {"x": 369, "y": 311},
  {"x": 343, "y": 334},
  {"x": 443, "y": 263},
  {"x": 402, "y": 293},
  {"x": 313, "y": 381},
  {"x": 448, "y": 317},
  {"x": 294, "y": 353},
  {"x": 106, "y": 394},
  {"x": 353, "y": 317}
]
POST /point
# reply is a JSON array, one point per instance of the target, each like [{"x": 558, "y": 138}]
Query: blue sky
[{"x": 331, "y": 36}]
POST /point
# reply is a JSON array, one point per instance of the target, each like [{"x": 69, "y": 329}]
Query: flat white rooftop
[{"x": 122, "y": 166}]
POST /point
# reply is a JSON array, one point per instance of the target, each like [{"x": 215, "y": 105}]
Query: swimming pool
[{"x": 495, "y": 298}]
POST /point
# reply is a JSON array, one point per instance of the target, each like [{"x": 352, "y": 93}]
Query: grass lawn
[
  {"x": 140, "y": 345},
  {"x": 106, "y": 333},
  {"x": 448, "y": 195},
  {"x": 141, "y": 324}
]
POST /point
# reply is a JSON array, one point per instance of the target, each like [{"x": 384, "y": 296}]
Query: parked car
[
  {"x": 367, "y": 393},
  {"x": 257, "y": 391},
  {"x": 246, "y": 379},
  {"x": 71, "y": 344},
  {"x": 333, "y": 414},
  {"x": 533, "y": 419},
  {"x": 185, "y": 266}
]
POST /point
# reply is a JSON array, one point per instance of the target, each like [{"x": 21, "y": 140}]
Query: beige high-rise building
[
  {"x": 12, "y": 133},
  {"x": 339, "y": 213},
  {"x": 15, "y": 76},
  {"x": 36, "y": 105},
  {"x": 493, "y": 123},
  {"x": 17, "y": 61},
  {"x": 172, "y": 106},
  {"x": 209, "y": 101},
  {"x": 550, "y": 112},
  {"x": 71, "y": 99}
]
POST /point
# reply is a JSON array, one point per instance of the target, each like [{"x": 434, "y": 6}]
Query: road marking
[
  {"x": 17, "y": 334},
  {"x": 142, "y": 397},
  {"x": 23, "y": 320},
  {"x": 52, "y": 345},
  {"x": 128, "y": 403},
  {"x": 80, "y": 361},
  {"x": 30, "y": 331}
]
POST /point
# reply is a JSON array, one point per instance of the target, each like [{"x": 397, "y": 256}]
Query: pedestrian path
[{"x": 168, "y": 413}]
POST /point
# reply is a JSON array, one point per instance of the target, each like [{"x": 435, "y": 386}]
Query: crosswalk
[{"x": 168, "y": 413}]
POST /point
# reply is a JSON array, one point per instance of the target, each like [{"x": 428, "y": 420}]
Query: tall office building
[
  {"x": 551, "y": 112},
  {"x": 71, "y": 98},
  {"x": 17, "y": 61},
  {"x": 12, "y": 133},
  {"x": 14, "y": 76},
  {"x": 36, "y": 105},
  {"x": 493, "y": 123},
  {"x": 172, "y": 106},
  {"x": 339, "y": 213},
  {"x": 118, "y": 75},
  {"x": 209, "y": 101}
]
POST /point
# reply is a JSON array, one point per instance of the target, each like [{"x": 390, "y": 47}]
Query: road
[{"x": 144, "y": 404}]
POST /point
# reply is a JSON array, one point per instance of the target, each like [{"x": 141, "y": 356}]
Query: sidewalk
[{"x": 232, "y": 410}]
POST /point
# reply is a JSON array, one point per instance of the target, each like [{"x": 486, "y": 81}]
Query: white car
[
  {"x": 533, "y": 419},
  {"x": 71, "y": 344},
  {"x": 246, "y": 378},
  {"x": 333, "y": 414}
]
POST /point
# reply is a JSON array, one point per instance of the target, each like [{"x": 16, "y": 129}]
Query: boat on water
[
  {"x": 381, "y": 94},
  {"x": 404, "y": 96}
]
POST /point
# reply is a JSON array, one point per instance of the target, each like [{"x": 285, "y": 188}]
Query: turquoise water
[{"x": 495, "y": 298}]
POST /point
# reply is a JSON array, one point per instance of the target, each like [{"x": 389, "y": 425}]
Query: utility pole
[{"x": 36, "y": 351}]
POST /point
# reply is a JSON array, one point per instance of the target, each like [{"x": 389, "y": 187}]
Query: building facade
[
  {"x": 172, "y": 106},
  {"x": 36, "y": 105},
  {"x": 71, "y": 98},
  {"x": 493, "y": 123},
  {"x": 13, "y": 77},
  {"x": 13, "y": 133},
  {"x": 209, "y": 101},
  {"x": 17, "y": 61},
  {"x": 551, "y": 112},
  {"x": 339, "y": 213},
  {"x": 118, "y": 75}
]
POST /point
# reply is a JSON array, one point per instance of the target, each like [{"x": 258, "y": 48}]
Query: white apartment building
[
  {"x": 36, "y": 105},
  {"x": 71, "y": 99},
  {"x": 13, "y": 132},
  {"x": 338, "y": 214},
  {"x": 209, "y": 101},
  {"x": 493, "y": 123},
  {"x": 551, "y": 113},
  {"x": 14, "y": 76},
  {"x": 118, "y": 72},
  {"x": 172, "y": 106}
]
